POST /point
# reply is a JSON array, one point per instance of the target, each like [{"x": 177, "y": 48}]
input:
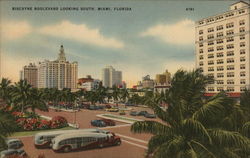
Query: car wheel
[
  {"x": 67, "y": 149},
  {"x": 118, "y": 143},
  {"x": 100, "y": 145}
]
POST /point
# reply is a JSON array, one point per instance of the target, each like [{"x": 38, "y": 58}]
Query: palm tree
[
  {"x": 37, "y": 101},
  {"x": 5, "y": 90},
  {"x": 21, "y": 95},
  {"x": 115, "y": 94},
  {"x": 124, "y": 95},
  {"x": 191, "y": 127},
  {"x": 245, "y": 103}
]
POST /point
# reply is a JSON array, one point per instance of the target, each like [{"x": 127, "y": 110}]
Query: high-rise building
[
  {"x": 147, "y": 82},
  {"x": 111, "y": 77},
  {"x": 58, "y": 74},
  {"x": 30, "y": 73},
  {"x": 163, "y": 78},
  {"x": 222, "y": 49}
]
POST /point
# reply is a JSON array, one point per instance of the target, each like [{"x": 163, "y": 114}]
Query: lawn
[{"x": 30, "y": 133}]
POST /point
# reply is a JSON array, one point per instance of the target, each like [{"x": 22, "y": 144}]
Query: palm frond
[
  {"x": 246, "y": 129},
  {"x": 150, "y": 127}
]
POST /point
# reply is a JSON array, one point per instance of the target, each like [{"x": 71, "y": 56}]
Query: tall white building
[
  {"x": 58, "y": 74},
  {"x": 111, "y": 77},
  {"x": 222, "y": 49}
]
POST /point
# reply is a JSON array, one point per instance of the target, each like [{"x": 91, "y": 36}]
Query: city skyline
[{"x": 144, "y": 44}]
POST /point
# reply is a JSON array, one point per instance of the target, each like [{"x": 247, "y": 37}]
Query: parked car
[
  {"x": 122, "y": 112},
  {"x": 148, "y": 115},
  {"x": 13, "y": 152},
  {"x": 93, "y": 107},
  {"x": 109, "y": 122},
  {"x": 133, "y": 113},
  {"x": 112, "y": 109},
  {"x": 14, "y": 143},
  {"x": 142, "y": 113},
  {"x": 98, "y": 123},
  {"x": 129, "y": 104},
  {"x": 108, "y": 106}
]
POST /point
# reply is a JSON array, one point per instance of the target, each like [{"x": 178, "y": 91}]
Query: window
[
  {"x": 230, "y": 32},
  {"x": 230, "y": 46},
  {"x": 242, "y": 66},
  {"x": 230, "y": 53},
  {"x": 210, "y": 36},
  {"x": 230, "y": 67},
  {"x": 241, "y": 11},
  {"x": 242, "y": 81},
  {"x": 210, "y": 49},
  {"x": 219, "y": 17},
  {"x": 201, "y": 57},
  {"x": 219, "y": 34},
  {"x": 201, "y": 45},
  {"x": 220, "y": 75},
  {"x": 210, "y": 56},
  {"x": 210, "y": 29},
  {"x": 220, "y": 82},
  {"x": 220, "y": 68},
  {"x": 242, "y": 59},
  {"x": 230, "y": 60},
  {"x": 201, "y": 50},
  {"x": 220, "y": 54},
  {"x": 242, "y": 51},
  {"x": 201, "y": 32},
  {"x": 230, "y": 74},
  {"x": 230, "y": 81},
  {"x": 230, "y": 39},
  {"x": 243, "y": 73},
  {"x": 220, "y": 61},
  {"x": 219, "y": 47},
  {"x": 201, "y": 63},
  {"x": 219, "y": 89},
  {"x": 201, "y": 38},
  {"x": 230, "y": 89},
  {"x": 242, "y": 29},
  {"x": 210, "y": 43},
  {"x": 242, "y": 22},
  {"x": 242, "y": 37},
  {"x": 219, "y": 41},
  {"x": 210, "y": 75},
  {"x": 242, "y": 89},
  {"x": 210, "y": 68},
  {"x": 201, "y": 22},
  {"x": 242, "y": 44},
  {"x": 230, "y": 25},
  {"x": 211, "y": 62},
  {"x": 210, "y": 88},
  {"x": 219, "y": 27}
]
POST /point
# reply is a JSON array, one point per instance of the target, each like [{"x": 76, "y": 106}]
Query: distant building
[
  {"x": 30, "y": 73},
  {"x": 58, "y": 74},
  {"x": 88, "y": 78},
  {"x": 111, "y": 77},
  {"x": 164, "y": 78},
  {"x": 90, "y": 85},
  {"x": 147, "y": 82},
  {"x": 223, "y": 49}
]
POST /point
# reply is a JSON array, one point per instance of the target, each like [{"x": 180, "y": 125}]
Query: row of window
[
  {"x": 221, "y": 17},
  {"x": 229, "y": 74},
  {"x": 221, "y": 61},
  {"x": 229, "y": 89},
  {"x": 229, "y": 67},
  {"x": 218, "y": 41},
  {"x": 220, "y": 54},
  {"x": 228, "y": 46},
  {"x": 229, "y": 32},
  {"x": 242, "y": 81}
]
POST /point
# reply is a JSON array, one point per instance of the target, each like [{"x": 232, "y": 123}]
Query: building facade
[
  {"x": 163, "y": 78},
  {"x": 111, "y": 77},
  {"x": 222, "y": 49},
  {"x": 30, "y": 73},
  {"x": 58, "y": 74}
]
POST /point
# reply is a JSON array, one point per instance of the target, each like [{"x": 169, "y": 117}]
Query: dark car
[
  {"x": 14, "y": 143},
  {"x": 13, "y": 152},
  {"x": 108, "y": 106},
  {"x": 142, "y": 113},
  {"x": 98, "y": 123},
  {"x": 109, "y": 122},
  {"x": 133, "y": 113},
  {"x": 93, "y": 107},
  {"x": 148, "y": 115}
]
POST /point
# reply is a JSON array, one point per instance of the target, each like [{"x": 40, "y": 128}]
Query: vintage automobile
[
  {"x": 133, "y": 113},
  {"x": 98, "y": 123},
  {"x": 13, "y": 152},
  {"x": 122, "y": 112},
  {"x": 113, "y": 109},
  {"x": 148, "y": 115},
  {"x": 109, "y": 122},
  {"x": 14, "y": 143}
]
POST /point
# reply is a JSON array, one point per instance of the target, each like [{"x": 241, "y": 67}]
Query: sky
[{"x": 148, "y": 39}]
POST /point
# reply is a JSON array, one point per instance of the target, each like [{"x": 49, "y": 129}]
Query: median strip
[{"x": 119, "y": 118}]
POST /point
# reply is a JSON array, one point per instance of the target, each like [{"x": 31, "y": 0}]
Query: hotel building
[
  {"x": 222, "y": 49},
  {"x": 58, "y": 74},
  {"x": 111, "y": 77},
  {"x": 30, "y": 73}
]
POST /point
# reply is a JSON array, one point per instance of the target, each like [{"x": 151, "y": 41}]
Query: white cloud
[
  {"x": 80, "y": 33},
  {"x": 11, "y": 30},
  {"x": 180, "y": 33}
]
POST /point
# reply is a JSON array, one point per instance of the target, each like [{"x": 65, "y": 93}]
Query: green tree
[
  {"x": 37, "y": 100},
  {"x": 191, "y": 128},
  {"x": 5, "y": 90}
]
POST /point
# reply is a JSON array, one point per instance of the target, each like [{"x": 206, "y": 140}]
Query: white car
[
  {"x": 13, "y": 152},
  {"x": 14, "y": 143}
]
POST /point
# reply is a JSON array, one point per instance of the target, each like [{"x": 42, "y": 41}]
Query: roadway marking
[
  {"x": 131, "y": 138},
  {"x": 141, "y": 146}
]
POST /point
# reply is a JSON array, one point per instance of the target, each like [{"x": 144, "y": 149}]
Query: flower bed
[{"x": 28, "y": 124}]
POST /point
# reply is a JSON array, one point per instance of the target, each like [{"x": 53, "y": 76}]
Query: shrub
[
  {"x": 58, "y": 122},
  {"x": 44, "y": 124}
]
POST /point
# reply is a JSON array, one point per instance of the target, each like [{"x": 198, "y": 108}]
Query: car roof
[{"x": 12, "y": 140}]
